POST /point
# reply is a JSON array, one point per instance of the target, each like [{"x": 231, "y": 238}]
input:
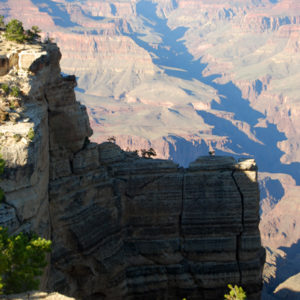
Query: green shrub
[
  {"x": 36, "y": 31},
  {"x": 32, "y": 34},
  {"x": 29, "y": 35},
  {"x": 22, "y": 259},
  {"x": 5, "y": 88},
  {"x": 14, "y": 31},
  {"x": 15, "y": 91},
  {"x": 235, "y": 293},
  {"x": 30, "y": 134}
]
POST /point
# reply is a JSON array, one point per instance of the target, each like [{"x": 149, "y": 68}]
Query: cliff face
[{"x": 123, "y": 227}]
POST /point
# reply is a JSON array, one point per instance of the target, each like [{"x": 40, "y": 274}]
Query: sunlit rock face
[
  {"x": 122, "y": 226},
  {"x": 188, "y": 76},
  {"x": 29, "y": 132}
]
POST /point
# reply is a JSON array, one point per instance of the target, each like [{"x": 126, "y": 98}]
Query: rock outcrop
[{"x": 122, "y": 227}]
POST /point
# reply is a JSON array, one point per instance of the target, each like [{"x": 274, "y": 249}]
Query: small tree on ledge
[
  {"x": 15, "y": 31},
  {"x": 148, "y": 153}
]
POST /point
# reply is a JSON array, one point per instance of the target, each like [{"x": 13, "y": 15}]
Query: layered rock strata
[
  {"x": 144, "y": 229},
  {"x": 125, "y": 227}
]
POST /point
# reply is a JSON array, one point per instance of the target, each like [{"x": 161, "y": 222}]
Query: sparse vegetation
[
  {"x": 5, "y": 88},
  {"x": 36, "y": 31},
  {"x": 32, "y": 34},
  {"x": 235, "y": 293},
  {"x": 148, "y": 153},
  {"x": 14, "y": 104},
  {"x": 31, "y": 134},
  {"x": 22, "y": 259},
  {"x": 15, "y": 91},
  {"x": 14, "y": 31},
  {"x": 11, "y": 90}
]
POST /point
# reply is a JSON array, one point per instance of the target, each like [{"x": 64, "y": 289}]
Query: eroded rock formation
[{"x": 123, "y": 227}]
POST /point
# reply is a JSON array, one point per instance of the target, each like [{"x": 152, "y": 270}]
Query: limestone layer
[{"x": 125, "y": 227}]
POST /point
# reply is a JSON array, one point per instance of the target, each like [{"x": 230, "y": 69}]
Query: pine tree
[
  {"x": 15, "y": 31},
  {"x": 22, "y": 259}
]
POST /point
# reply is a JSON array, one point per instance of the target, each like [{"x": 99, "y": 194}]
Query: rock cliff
[{"x": 123, "y": 227}]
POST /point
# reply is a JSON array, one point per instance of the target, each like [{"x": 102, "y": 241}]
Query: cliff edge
[{"x": 122, "y": 227}]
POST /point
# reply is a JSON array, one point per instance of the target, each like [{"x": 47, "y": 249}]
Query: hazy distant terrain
[{"x": 185, "y": 76}]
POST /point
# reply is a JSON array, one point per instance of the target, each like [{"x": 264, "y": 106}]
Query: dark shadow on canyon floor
[
  {"x": 286, "y": 268},
  {"x": 56, "y": 11},
  {"x": 271, "y": 190}
]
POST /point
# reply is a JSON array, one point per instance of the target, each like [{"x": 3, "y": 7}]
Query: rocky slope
[{"x": 123, "y": 227}]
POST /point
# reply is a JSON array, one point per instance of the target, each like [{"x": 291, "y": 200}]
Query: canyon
[
  {"x": 189, "y": 76},
  {"x": 121, "y": 226}
]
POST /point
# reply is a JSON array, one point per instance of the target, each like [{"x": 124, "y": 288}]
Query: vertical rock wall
[
  {"x": 133, "y": 228},
  {"x": 125, "y": 227}
]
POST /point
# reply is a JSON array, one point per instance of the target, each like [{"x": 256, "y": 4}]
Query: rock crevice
[{"x": 239, "y": 236}]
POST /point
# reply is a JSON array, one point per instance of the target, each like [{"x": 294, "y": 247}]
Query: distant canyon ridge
[{"x": 189, "y": 76}]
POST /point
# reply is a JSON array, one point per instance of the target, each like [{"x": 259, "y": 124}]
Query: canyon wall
[{"x": 122, "y": 226}]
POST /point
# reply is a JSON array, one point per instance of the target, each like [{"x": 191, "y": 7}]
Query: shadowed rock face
[{"x": 125, "y": 227}]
